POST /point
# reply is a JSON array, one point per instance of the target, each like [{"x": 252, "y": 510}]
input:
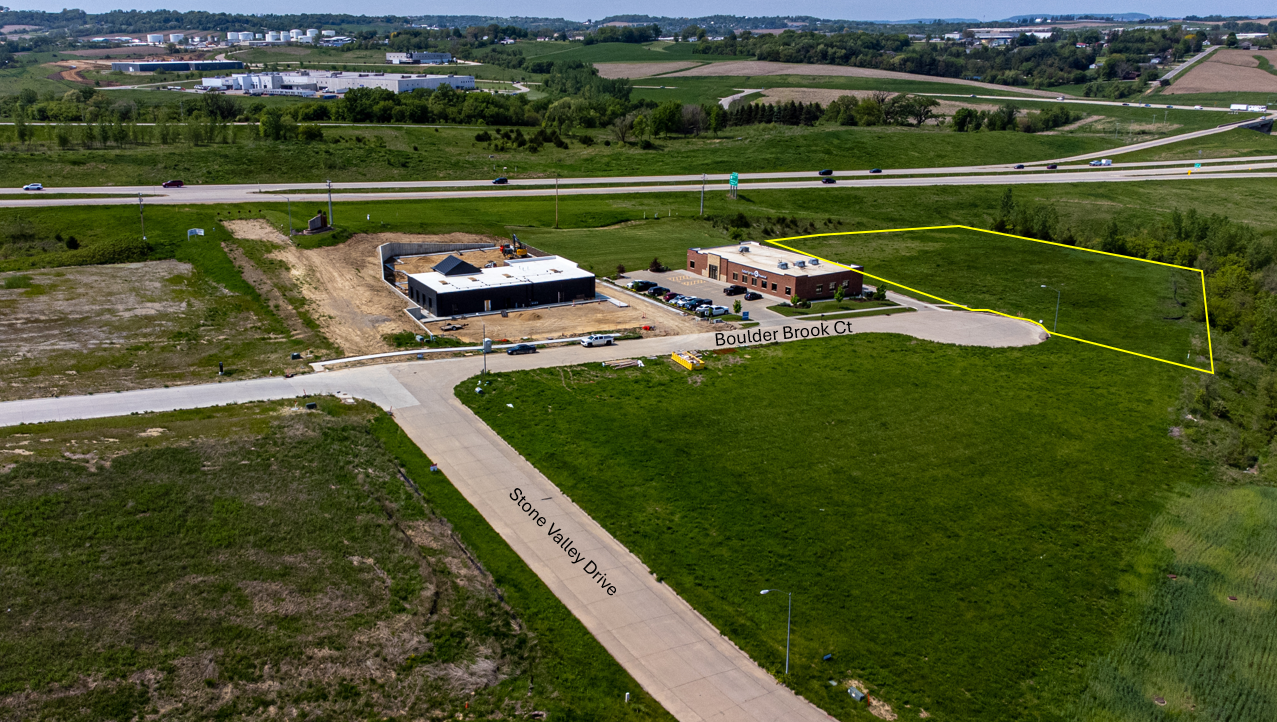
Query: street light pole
[
  {"x": 290, "y": 217},
  {"x": 1057, "y": 307},
  {"x": 788, "y": 622},
  {"x": 704, "y": 177},
  {"x": 141, "y": 216},
  {"x": 330, "y": 202}
]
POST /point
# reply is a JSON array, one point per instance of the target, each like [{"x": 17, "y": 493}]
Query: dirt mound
[
  {"x": 613, "y": 71},
  {"x": 256, "y": 229}
]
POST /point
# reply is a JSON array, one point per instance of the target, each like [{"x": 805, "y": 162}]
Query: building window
[
  {"x": 734, "y": 278},
  {"x": 773, "y": 287},
  {"x": 753, "y": 281},
  {"x": 691, "y": 264},
  {"x": 819, "y": 288},
  {"x": 844, "y": 283},
  {"x": 788, "y": 292}
]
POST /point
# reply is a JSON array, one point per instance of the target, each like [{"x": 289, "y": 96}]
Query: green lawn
[
  {"x": 953, "y": 521},
  {"x": 250, "y": 557},
  {"x": 1234, "y": 143},
  {"x": 830, "y": 307}
]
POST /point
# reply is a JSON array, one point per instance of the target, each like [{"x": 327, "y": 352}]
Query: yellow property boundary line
[{"x": 1202, "y": 274}]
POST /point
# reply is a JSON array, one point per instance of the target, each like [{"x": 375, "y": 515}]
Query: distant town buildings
[
  {"x": 310, "y": 82},
  {"x": 418, "y": 58}
]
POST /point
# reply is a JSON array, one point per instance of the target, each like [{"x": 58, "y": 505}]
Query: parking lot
[{"x": 694, "y": 285}]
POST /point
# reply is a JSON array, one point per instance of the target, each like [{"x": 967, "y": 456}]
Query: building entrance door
[{"x": 713, "y": 272}]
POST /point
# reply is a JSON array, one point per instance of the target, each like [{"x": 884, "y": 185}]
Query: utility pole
[
  {"x": 330, "y": 203},
  {"x": 704, "y": 177},
  {"x": 788, "y": 622},
  {"x": 290, "y": 217},
  {"x": 556, "y": 199},
  {"x": 141, "y": 216}
]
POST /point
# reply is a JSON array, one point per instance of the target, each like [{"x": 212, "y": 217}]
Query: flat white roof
[
  {"x": 768, "y": 258},
  {"x": 517, "y": 271}
]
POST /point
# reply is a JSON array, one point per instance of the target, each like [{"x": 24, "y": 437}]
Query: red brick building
[{"x": 774, "y": 271}]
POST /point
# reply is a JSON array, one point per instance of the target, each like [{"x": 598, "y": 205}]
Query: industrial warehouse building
[
  {"x": 414, "y": 58},
  {"x": 176, "y": 66},
  {"x": 334, "y": 81},
  {"x": 454, "y": 287},
  {"x": 774, "y": 271}
]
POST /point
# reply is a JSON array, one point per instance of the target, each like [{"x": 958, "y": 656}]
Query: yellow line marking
[{"x": 1205, "y": 306}]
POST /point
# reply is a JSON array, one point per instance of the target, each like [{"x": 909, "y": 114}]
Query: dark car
[
  {"x": 521, "y": 349},
  {"x": 876, "y": 170},
  {"x": 828, "y": 180},
  {"x": 641, "y": 285},
  {"x": 670, "y": 296},
  {"x": 733, "y": 290},
  {"x": 1052, "y": 166},
  {"x": 500, "y": 181},
  {"x": 1019, "y": 166},
  {"x": 657, "y": 291},
  {"x": 826, "y": 171},
  {"x": 173, "y": 184},
  {"x": 753, "y": 296}
]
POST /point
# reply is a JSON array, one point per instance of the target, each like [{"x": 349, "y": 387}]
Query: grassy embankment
[
  {"x": 220, "y": 563},
  {"x": 1232, "y": 144},
  {"x": 974, "y": 579}
]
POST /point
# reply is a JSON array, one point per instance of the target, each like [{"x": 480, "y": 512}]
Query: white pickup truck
[{"x": 1103, "y": 161}]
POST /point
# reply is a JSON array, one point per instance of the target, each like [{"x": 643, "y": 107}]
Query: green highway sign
[{"x": 735, "y": 179}]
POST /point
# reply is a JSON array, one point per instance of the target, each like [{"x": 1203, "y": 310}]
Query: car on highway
[
  {"x": 520, "y": 349},
  {"x": 500, "y": 181},
  {"x": 752, "y": 295},
  {"x": 172, "y": 184},
  {"x": 1171, "y": 107},
  {"x": 1197, "y": 107},
  {"x": 1095, "y": 163},
  {"x": 876, "y": 170},
  {"x": 657, "y": 291},
  {"x": 1059, "y": 97},
  {"x": 597, "y": 339},
  {"x": 33, "y": 187},
  {"x": 709, "y": 310},
  {"x": 1019, "y": 166},
  {"x": 826, "y": 171},
  {"x": 1126, "y": 104},
  {"x": 972, "y": 95},
  {"x": 1146, "y": 105},
  {"x": 1052, "y": 166},
  {"x": 734, "y": 290},
  {"x": 828, "y": 181}
]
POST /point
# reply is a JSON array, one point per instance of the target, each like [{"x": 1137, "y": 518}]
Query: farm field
[
  {"x": 1228, "y": 69},
  {"x": 887, "y": 548},
  {"x": 263, "y": 559}
]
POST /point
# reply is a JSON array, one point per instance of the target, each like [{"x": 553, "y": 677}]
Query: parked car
[
  {"x": 33, "y": 187},
  {"x": 876, "y": 170},
  {"x": 1052, "y": 166},
  {"x": 709, "y": 310},
  {"x": 520, "y": 349},
  {"x": 173, "y": 184},
  {"x": 752, "y": 295},
  {"x": 1019, "y": 166},
  {"x": 828, "y": 181},
  {"x": 596, "y": 339},
  {"x": 500, "y": 181},
  {"x": 657, "y": 291},
  {"x": 826, "y": 171},
  {"x": 734, "y": 290},
  {"x": 670, "y": 296},
  {"x": 641, "y": 285}
]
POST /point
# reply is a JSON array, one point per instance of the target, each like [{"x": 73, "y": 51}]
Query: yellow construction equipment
[{"x": 688, "y": 359}]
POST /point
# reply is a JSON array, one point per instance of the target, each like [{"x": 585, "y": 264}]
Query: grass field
[
  {"x": 1126, "y": 303},
  {"x": 831, "y": 307},
  {"x": 256, "y": 560},
  {"x": 953, "y": 522},
  {"x": 1234, "y": 143},
  {"x": 1199, "y": 641},
  {"x": 415, "y": 153}
]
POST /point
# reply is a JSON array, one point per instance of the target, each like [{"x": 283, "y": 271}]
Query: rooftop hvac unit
[
  {"x": 814, "y": 261},
  {"x": 801, "y": 264},
  {"x": 782, "y": 265},
  {"x": 744, "y": 249}
]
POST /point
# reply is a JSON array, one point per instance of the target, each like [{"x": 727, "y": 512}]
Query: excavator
[{"x": 514, "y": 249}]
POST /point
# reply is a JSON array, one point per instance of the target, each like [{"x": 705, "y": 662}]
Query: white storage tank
[
  {"x": 157, "y": 39},
  {"x": 176, "y": 38},
  {"x": 329, "y": 33},
  {"x": 273, "y": 38},
  {"x": 259, "y": 36},
  {"x": 312, "y": 33},
  {"x": 294, "y": 34}
]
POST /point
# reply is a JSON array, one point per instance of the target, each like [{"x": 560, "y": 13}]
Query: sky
[{"x": 594, "y": 9}]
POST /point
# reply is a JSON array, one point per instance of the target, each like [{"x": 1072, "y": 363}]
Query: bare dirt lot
[
  {"x": 639, "y": 70},
  {"x": 424, "y": 264},
  {"x": 569, "y": 321},
  {"x": 352, "y": 304},
  {"x": 754, "y": 68},
  {"x": 1228, "y": 70}
]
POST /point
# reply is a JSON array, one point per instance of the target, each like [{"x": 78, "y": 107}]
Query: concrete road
[{"x": 681, "y": 659}]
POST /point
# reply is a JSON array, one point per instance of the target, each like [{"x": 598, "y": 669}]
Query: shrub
[
  {"x": 483, "y": 136},
  {"x": 17, "y": 282},
  {"x": 656, "y": 266}
]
